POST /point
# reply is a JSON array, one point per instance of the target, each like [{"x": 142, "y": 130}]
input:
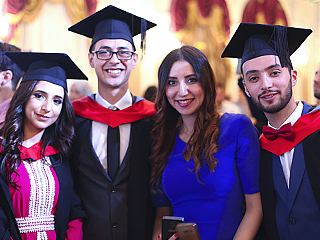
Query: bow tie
[{"x": 286, "y": 132}]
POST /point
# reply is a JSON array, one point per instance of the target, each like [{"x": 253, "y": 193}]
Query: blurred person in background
[
  {"x": 79, "y": 89},
  {"x": 10, "y": 75},
  {"x": 223, "y": 103},
  {"x": 316, "y": 85},
  {"x": 150, "y": 93}
]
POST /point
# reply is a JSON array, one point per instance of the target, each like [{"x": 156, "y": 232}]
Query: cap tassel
[
  {"x": 143, "y": 35},
  {"x": 281, "y": 45}
]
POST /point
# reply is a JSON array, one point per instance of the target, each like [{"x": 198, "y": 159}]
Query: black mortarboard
[
  {"x": 254, "y": 40},
  {"x": 112, "y": 23},
  {"x": 51, "y": 67}
]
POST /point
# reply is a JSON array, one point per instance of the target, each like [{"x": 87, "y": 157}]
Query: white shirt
[
  {"x": 286, "y": 158},
  {"x": 100, "y": 130}
]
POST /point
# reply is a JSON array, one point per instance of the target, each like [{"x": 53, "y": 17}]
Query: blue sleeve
[
  {"x": 159, "y": 198},
  {"x": 248, "y": 155}
]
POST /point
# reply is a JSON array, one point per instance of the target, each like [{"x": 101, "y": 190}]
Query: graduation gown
[
  {"x": 284, "y": 210},
  {"x": 68, "y": 207},
  {"x": 119, "y": 209}
]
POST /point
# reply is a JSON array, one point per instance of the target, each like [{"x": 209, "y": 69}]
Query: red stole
[
  {"x": 88, "y": 108},
  {"x": 303, "y": 127}
]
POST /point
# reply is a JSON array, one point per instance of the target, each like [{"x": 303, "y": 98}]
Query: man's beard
[
  {"x": 316, "y": 93},
  {"x": 281, "y": 104}
]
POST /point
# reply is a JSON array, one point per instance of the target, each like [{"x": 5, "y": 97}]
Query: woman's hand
[
  {"x": 173, "y": 237},
  {"x": 160, "y": 212}
]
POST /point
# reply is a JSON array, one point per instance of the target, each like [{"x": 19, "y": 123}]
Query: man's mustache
[{"x": 268, "y": 91}]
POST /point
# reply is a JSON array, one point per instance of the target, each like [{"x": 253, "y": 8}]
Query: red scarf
[
  {"x": 303, "y": 127},
  {"x": 88, "y": 108},
  {"x": 34, "y": 151}
]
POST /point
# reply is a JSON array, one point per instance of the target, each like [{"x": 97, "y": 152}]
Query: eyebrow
[
  {"x": 191, "y": 75},
  {"x": 109, "y": 48},
  {"x": 187, "y": 76},
  {"x": 41, "y": 91},
  {"x": 267, "y": 68}
]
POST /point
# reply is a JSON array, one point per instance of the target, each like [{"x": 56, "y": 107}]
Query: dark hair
[
  {"x": 150, "y": 93},
  {"x": 7, "y": 64},
  {"x": 206, "y": 130},
  {"x": 59, "y": 134}
]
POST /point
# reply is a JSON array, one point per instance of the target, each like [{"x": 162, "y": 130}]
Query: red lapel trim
[
  {"x": 88, "y": 108},
  {"x": 34, "y": 151},
  {"x": 304, "y": 126}
]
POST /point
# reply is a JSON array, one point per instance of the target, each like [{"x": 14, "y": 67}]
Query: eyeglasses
[{"x": 106, "y": 54}]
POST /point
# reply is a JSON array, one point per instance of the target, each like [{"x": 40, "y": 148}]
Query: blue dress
[{"x": 216, "y": 203}]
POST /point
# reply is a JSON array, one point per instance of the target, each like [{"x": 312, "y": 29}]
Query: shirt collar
[
  {"x": 293, "y": 117},
  {"x": 124, "y": 102}
]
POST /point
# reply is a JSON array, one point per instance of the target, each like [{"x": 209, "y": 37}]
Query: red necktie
[{"x": 286, "y": 132}]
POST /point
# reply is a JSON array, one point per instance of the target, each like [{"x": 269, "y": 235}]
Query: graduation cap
[
  {"x": 50, "y": 67},
  {"x": 112, "y": 23},
  {"x": 254, "y": 40}
]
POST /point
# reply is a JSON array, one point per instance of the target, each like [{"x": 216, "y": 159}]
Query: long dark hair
[
  {"x": 206, "y": 130},
  {"x": 59, "y": 134}
]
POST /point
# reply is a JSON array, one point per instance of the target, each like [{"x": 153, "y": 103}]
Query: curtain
[
  {"x": 205, "y": 25},
  {"x": 17, "y": 11},
  {"x": 264, "y": 12}
]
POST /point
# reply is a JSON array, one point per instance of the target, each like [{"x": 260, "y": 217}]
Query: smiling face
[
  {"x": 268, "y": 84},
  {"x": 43, "y": 107},
  {"x": 184, "y": 91},
  {"x": 113, "y": 73}
]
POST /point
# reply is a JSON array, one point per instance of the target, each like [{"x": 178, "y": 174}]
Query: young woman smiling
[
  {"x": 205, "y": 165},
  {"x": 37, "y": 200}
]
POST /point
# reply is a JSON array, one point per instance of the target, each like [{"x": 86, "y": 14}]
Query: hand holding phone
[
  {"x": 169, "y": 226},
  {"x": 188, "y": 231}
]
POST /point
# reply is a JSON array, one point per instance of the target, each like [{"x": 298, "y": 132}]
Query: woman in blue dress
[{"x": 205, "y": 164}]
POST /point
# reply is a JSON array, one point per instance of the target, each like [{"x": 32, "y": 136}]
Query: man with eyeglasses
[
  {"x": 111, "y": 150},
  {"x": 10, "y": 75}
]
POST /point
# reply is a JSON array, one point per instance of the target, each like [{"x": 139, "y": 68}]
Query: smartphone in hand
[
  {"x": 188, "y": 231},
  {"x": 169, "y": 226}
]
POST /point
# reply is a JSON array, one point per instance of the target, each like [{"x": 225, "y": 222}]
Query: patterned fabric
[{"x": 35, "y": 200}]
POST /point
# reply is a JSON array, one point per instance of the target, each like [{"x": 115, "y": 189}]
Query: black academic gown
[
  {"x": 310, "y": 151},
  {"x": 119, "y": 209},
  {"x": 69, "y": 205}
]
